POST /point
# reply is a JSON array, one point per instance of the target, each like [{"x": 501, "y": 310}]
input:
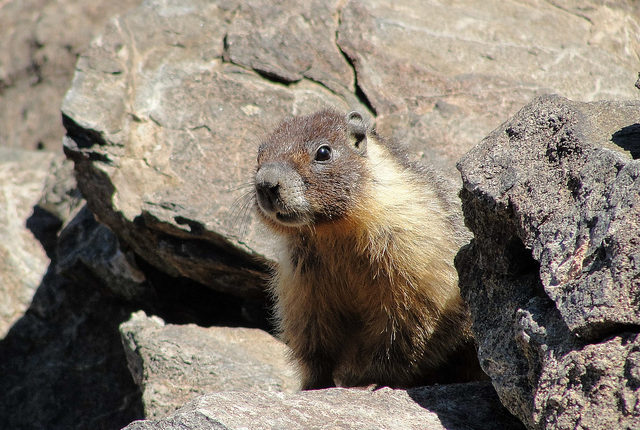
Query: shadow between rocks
[
  {"x": 463, "y": 406},
  {"x": 62, "y": 365},
  {"x": 628, "y": 138}
]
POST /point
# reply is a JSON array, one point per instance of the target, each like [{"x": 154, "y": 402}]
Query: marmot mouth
[
  {"x": 283, "y": 217},
  {"x": 291, "y": 219}
]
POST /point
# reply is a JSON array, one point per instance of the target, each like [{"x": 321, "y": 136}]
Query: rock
[
  {"x": 63, "y": 360},
  {"x": 290, "y": 40},
  {"x": 39, "y": 45},
  {"x": 597, "y": 386},
  {"x": 58, "y": 204},
  {"x": 89, "y": 252},
  {"x": 61, "y": 197},
  {"x": 163, "y": 125},
  {"x": 173, "y": 364},
  {"x": 451, "y": 407},
  {"x": 163, "y": 119},
  {"x": 155, "y": 163},
  {"x": 553, "y": 199},
  {"x": 23, "y": 261},
  {"x": 465, "y": 67},
  {"x": 187, "y": 421},
  {"x": 85, "y": 245}
]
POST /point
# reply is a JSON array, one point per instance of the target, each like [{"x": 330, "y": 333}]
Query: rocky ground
[{"x": 133, "y": 272}]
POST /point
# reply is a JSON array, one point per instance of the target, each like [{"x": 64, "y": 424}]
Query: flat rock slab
[
  {"x": 451, "y": 407},
  {"x": 173, "y": 364},
  {"x": 168, "y": 105},
  {"x": 441, "y": 76},
  {"x": 553, "y": 274}
]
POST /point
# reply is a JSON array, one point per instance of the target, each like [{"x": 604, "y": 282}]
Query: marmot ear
[{"x": 357, "y": 131}]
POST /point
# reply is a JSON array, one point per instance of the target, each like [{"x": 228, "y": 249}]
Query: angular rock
[
  {"x": 88, "y": 246},
  {"x": 291, "y": 40},
  {"x": 597, "y": 386},
  {"x": 192, "y": 420},
  {"x": 39, "y": 45},
  {"x": 451, "y": 407},
  {"x": 23, "y": 261},
  {"x": 89, "y": 252},
  {"x": 552, "y": 276},
  {"x": 62, "y": 360},
  {"x": 58, "y": 204},
  {"x": 61, "y": 197},
  {"x": 59, "y": 365},
  {"x": 574, "y": 195},
  {"x": 84, "y": 249},
  {"x": 173, "y": 364}
]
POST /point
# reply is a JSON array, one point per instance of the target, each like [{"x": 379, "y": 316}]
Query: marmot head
[{"x": 311, "y": 169}]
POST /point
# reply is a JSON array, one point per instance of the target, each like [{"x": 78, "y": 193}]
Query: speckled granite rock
[{"x": 553, "y": 274}]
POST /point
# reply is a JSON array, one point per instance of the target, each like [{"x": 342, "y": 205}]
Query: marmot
[{"x": 365, "y": 289}]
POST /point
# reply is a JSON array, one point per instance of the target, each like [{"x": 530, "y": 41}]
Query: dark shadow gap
[{"x": 628, "y": 138}]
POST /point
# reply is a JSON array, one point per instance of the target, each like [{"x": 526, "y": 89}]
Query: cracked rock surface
[{"x": 169, "y": 103}]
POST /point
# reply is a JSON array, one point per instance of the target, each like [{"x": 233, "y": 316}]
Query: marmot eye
[{"x": 323, "y": 153}]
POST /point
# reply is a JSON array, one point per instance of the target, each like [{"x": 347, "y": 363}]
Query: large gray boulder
[
  {"x": 553, "y": 274},
  {"x": 173, "y": 364},
  {"x": 169, "y": 103},
  {"x": 450, "y": 407},
  {"x": 441, "y": 76}
]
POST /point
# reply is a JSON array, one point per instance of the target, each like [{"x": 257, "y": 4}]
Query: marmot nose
[
  {"x": 267, "y": 193},
  {"x": 267, "y": 184}
]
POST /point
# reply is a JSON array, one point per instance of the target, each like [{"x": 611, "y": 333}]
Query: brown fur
[{"x": 366, "y": 292}]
